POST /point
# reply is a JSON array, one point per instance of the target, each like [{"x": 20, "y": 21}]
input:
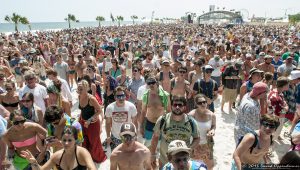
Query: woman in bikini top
[
  {"x": 23, "y": 136},
  {"x": 70, "y": 157}
]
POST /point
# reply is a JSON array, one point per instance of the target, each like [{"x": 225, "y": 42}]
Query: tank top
[
  {"x": 249, "y": 86},
  {"x": 203, "y": 127},
  {"x": 87, "y": 111}
]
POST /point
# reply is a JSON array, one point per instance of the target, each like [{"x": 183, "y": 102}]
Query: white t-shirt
[
  {"x": 120, "y": 115},
  {"x": 61, "y": 69},
  {"x": 217, "y": 66},
  {"x": 39, "y": 93}
]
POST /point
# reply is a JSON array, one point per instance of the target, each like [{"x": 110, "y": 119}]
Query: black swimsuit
[
  {"x": 10, "y": 104},
  {"x": 79, "y": 167}
]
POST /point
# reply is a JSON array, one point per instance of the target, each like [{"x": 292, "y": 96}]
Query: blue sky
[{"x": 87, "y": 10}]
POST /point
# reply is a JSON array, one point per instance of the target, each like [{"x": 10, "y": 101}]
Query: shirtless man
[
  {"x": 196, "y": 73},
  {"x": 130, "y": 154},
  {"x": 180, "y": 86},
  {"x": 267, "y": 66},
  {"x": 155, "y": 103},
  {"x": 80, "y": 67},
  {"x": 247, "y": 66},
  {"x": 246, "y": 153},
  {"x": 164, "y": 77}
]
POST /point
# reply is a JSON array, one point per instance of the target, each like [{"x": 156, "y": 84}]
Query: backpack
[
  {"x": 162, "y": 125},
  {"x": 161, "y": 75},
  {"x": 255, "y": 142},
  {"x": 199, "y": 82}
]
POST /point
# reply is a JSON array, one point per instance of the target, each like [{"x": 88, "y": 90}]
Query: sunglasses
[
  {"x": 151, "y": 83},
  {"x": 121, "y": 96},
  {"x": 266, "y": 124},
  {"x": 178, "y": 105},
  {"x": 183, "y": 72},
  {"x": 67, "y": 140},
  {"x": 201, "y": 102},
  {"x": 25, "y": 101},
  {"x": 126, "y": 138},
  {"x": 19, "y": 122},
  {"x": 178, "y": 160}
]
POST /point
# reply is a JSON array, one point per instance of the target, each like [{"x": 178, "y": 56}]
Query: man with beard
[
  {"x": 286, "y": 68},
  {"x": 176, "y": 125},
  {"x": 130, "y": 154},
  {"x": 118, "y": 112},
  {"x": 267, "y": 66}
]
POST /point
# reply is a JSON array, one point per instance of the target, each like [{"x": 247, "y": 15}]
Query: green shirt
[
  {"x": 174, "y": 130},
  {"x": 164, "y": 96}
]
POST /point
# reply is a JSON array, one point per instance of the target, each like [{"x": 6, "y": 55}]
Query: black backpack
[{"x": 255, "y": 142}]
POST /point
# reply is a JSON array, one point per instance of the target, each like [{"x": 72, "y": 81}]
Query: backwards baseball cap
[
  {"x": 208, "y": 67},
  {"x": 295, "y": 74},
  {"x": 128, "y": 129},
  {"x": 259, "y": 88},
  {"x": 254, "y": 70},
  {"x": 177, "y": 146}
]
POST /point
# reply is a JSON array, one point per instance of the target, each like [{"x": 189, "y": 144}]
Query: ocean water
[{"x": 9, "y": 27}]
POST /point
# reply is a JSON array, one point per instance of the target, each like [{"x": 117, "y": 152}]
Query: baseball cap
[
  {"x": 259, "y": 88},
  {"x": 254, "y": 70},
  {"x": 177, "y": 146},
  {"x": 32, "y": 51},
  {"x": 295, "y": 74},
  {"x": 267, "y": 56},
  {"x": 262, "y": 54},
  {"x": 165, "y": 61},
  {"x": 248, "y": 55},
  {"x": 128, "y": 129},
  {"x": 208, "y": 67}
]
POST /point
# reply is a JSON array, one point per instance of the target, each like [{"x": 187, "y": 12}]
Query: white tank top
[{"x": 203, "y": 128}]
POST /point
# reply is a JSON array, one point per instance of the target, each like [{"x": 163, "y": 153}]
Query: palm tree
[
  {"x": 119, "y": 19},
  {"x": 16, "y": 19},
  {"x": 112, "y": 18},
  {"x": 70, "y": 18},
  {"x": 100, "y": 19},
  {"x": 25, "y": 21},
  {"x": 133, "y": 17}
]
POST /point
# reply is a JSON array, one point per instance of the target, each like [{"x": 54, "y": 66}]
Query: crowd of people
[{"x": 153, "y": 86}]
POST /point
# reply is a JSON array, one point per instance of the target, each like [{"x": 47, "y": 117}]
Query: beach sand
[{"x": 224, "y": 139}]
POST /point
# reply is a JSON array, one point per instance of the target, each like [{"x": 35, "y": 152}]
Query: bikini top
[
  {"x": 79, "y": 167},
  {"x": 25, "y": 143},
  {"x": 10, "y": 104}
]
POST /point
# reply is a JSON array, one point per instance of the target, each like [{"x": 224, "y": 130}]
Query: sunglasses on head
[
  {"x": 178, "y": 104},
  {"x": 178, "y": 160},
  {"x": 201, "y": 102},
  {"x": 270, "y": 125},
  {"x": 19, "y": 122},
  {"x": 151, "y": 83}
]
